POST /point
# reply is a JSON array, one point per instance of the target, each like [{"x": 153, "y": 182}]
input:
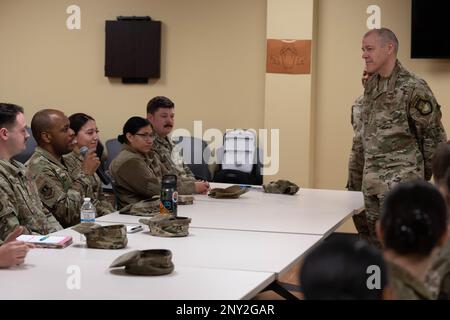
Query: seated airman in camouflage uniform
[
  {"x": 412, "y": 229},
  {"x": 86, "y": 135},
  {"x": 19, "y": 199},
  {"x": 160, "y": 113},
  {"x": 61, "y": 192},
  {"x": 136, "y": 172},
  {"x": 400, "y": 124}
]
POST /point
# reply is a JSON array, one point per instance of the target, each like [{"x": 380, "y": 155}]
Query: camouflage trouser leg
[
  {"x": 360, "y": 222},
  {"x": 373, "y": 204},
  {"x": 438, "y": 277}
]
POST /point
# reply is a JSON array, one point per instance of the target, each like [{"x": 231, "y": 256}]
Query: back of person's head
[
  {"x": 8, "y": 114},
  {"x": 340, "y": 269},
  {"x": 132, "y": 126},
  {"x": 78, "y": 120},
  {"x": 441, "y": 163},
  {"x": 159, "y": 102},
  {"x": 413, "y": 219}
]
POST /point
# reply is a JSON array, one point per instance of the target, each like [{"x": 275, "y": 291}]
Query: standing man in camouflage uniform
[
  {"x": 400, "y": 124},
  {"x": 61, "y": 193},
  {"x": 19, "y": 199},
  {"x": 160, "y": 113},
  {"x": 356, "y": 161}
]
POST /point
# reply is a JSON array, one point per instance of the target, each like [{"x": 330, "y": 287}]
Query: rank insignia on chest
[{"x": 47, "y": 192}]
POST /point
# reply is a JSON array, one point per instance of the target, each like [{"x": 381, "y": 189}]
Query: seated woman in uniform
[
  {"x": 412, "y": 230},
  {"x": 86, "y": 135},
  {"x": 136, "y": 172}
]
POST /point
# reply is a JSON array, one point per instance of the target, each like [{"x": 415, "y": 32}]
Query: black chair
[
  {"x": 196, "y": 154},
  {"x": 28, "y": 152},
  {"x": 239, "y": 177},
  {"x": 113, "y": 146}
]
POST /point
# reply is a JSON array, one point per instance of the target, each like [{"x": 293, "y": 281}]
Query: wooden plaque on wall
[{"x": 288, "y": 56}]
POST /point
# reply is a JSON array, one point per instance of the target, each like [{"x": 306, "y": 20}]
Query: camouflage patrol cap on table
[
  {"x": 232, "y": 192},
  {"x": 144, "y": 208},
  {"x": 281, "y": 186},
  {"x": 154, "y": 262},
  {"x": 103, "y": 237},
  {"x": 164, "y": 225},
  {"x": 185, "y": 199}
]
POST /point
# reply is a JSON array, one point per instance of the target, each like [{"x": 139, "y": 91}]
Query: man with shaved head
[
  {"x": 61, "y": 193},
  {"x": 400, "y": 124}
]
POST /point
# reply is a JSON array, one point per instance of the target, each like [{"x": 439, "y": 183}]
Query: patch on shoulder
[
  {"x": 424, "y": 107},
  {"x": 47, "y": 192}
]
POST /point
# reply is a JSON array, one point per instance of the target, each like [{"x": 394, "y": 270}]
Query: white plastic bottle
[{"x": 87, "y": 214}]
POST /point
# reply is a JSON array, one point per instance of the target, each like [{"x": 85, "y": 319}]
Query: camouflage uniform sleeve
[
  {"x": 187, "y": 172},
  {"x": 186, "y": 186},
  {"x": 137, "y": 175},
  {"x": 356, "y": 161},
  {"x": 8, "y": 215},
  {"x": 63, "y": 203},
  {"x": 425, "y": 122}
]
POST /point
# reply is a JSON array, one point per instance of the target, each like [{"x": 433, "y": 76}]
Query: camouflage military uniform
[
  {"x": 400, "y": 129},
  {"x": 356, "y": 161},
  {"x": 438, "y": 278},
  {"x": 61, "y": 193},
  {"x": 74, "y": 163},
  {"x": 163, "y": 148},
  {"x": 20, "y": 203},
  {"x": 137, "y": 177},
  {"x": 405, "y": 286}
]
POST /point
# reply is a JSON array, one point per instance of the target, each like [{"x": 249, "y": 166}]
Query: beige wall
[
  {"x": 288, "y": 104},
  {"x": 213, "y": 60},
  {"x": 213, "y": 66}
]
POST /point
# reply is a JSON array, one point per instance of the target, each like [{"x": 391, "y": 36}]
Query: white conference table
[
  {"x": 236, "y": 248},
  {"x": 49, "y": 277},
  {"x": 310, "y": 211}
]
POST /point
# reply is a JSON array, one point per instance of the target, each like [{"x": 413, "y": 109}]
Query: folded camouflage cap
[
  {"x": 281, "y": 186},
  {"x": 154, "y": 262},
  {"x": 144, "y": 208},
  {"x": 103, "y": 237},
  {"x": 232, "y": 192},
  {"x": 185, "y": 199},
  {"x": 164, "y": 225}
]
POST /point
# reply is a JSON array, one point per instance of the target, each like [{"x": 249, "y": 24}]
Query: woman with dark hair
[
  {"x": 412, "y": 230},
  {"x": 86, "y": 135},
  {"x": 136, "y": 172},
  {"x": 344, "y": 269}
]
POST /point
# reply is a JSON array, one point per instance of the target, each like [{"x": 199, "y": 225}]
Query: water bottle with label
[
  {"x": 87, "y": 214},
  {"x": 169, "y": 195}
]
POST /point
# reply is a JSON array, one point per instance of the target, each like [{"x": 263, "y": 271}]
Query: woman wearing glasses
[
  {"x": 86, "y": 135},
  {"x": 136, "y": 172}
]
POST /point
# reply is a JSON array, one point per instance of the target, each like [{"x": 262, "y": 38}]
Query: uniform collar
[
  {"x": 47, "y": 155},
  {"x": 15, "y": 168},
  {"x": 409, "y": 280}
]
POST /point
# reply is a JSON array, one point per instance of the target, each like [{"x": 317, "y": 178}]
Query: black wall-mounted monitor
[
  {"x": 133, "y": 49},
  {"x": 430, "y": 28}
]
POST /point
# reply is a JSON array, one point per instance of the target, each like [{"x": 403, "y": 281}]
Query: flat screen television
[
  {"x": 430, "y": 28},
  {"x": 133, "y": 49}
]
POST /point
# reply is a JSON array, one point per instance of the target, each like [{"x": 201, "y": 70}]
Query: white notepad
[{"x": 47, "y": 241}]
